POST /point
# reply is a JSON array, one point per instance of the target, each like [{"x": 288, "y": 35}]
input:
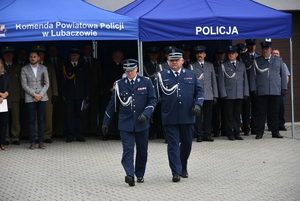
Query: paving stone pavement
[{"x": 266, "y": 169}]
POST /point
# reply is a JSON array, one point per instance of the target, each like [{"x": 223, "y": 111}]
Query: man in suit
[
  {"x": 218, "y": 109},
  {"x": 267, "y": 83},
  {"x": 90, "y": 123},
  {"x": 35, "y": 82},
  {"x": 249, "y": 110},
  {"x": 58, "y": 106},
  {"x": 112, "y": 72},
  {"x": 135, "y": 97},
  {"x": 181, "y": 98},
  {"x": 206, "y": 75},
  {"x": 75, "y": 90},
  {"x": 52, "y": 92},
  {"x": 14, "y": 71},
  {"x": 233, "y": 87},
  {"x": 150, "y": 70}
]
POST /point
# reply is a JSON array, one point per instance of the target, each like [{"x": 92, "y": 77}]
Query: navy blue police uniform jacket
[
  {"x": 131, "y": 102},
  {"x": 178, "y": 103}
]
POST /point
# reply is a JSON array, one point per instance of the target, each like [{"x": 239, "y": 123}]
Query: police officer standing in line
[
  {"x": 206, "y": 75},
  {"x": 135, "y": 98},
  {"x": 249, "y": 105},
  {"x": 181, "y": 98},
  {"x": 90, "y": 123},
  {"x": 267, "y": 82},
  {"x": 166, "y": 64},
  {"x": 150, "y": 69},
  {"x": 75, "y": 88},
  {"x": 218, "y": 107},
  {"x": 58, "y": 107},
  {"x": 186, "y": 54},
  {"x": 52, "y": 93},
  {"x": 233, "y": 86},
  {"x": 14, "y": 71}
]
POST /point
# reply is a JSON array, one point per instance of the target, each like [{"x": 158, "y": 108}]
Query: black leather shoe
[
  {"x": 282, "y": 128},
  {"x": 258, "y": 136},
  {"x": 277, "y": 135},
  {"x": 199, "y": 139},
  {"x": 69, "y": 139},
  {"x": 129, "y": 180},
  {"x": 230, "y": 137},
  {"x": 185, "y": 174},
  {"x": 208, "y": 139},
  {"x": 16, "y": 142},
  {"x": 80, "y": 139},
  {"x": 176, "y": 178},
  {"x": 6, "y": 143},
  {"x": 105, "y": 138},
  {"x": 247, "y": 133},
  {"x": 253, "y": 132},
  {"x": 238, "y": 137},
  {"x": 216, "y": 134},
  {"x": 140, "y": 179},
  {"x": 47, "y": 141}
]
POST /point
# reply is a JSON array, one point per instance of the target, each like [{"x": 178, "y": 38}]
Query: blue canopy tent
[
  {"x": 173, "y": 20},
  {"x": 48, "y": 20}
]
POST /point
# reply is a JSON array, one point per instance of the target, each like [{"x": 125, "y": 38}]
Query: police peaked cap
[
  {"x": 199, "y": 48},
  {"x": 129, "y": 64},
  {"x": 7, "y": 49},
  {"x": 250, "y": 41},
  {"x": 175, "y": 54}
]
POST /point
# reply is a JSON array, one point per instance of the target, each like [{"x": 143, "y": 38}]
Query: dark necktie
[
  {"x": 177, "y": 75},
  {"x": 202, "y": 65},
  {"x": 233, "y": 64},
  {"x": 88, "y": 63},
  {"x": 154, "y": 65},
  {"x": 132, "y": 82},
  {"x": 74, "y": 65},
  {"x": 267, "y": 60},
  {"x": 252, "y": 56},
  {"x": 8, "y": 65},
  {"x": 54, "y": 63}
]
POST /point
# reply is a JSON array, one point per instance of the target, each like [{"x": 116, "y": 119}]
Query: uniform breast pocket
[
  {"x": 142, "y": 91},
  {"x": 189, "y": 81}
]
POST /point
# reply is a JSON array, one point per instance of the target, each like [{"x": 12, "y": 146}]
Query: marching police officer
[
  {"x": 206, "y": 75},
  {"x": 267, "y": 82},
  {"x": 181, "y": 98},
  {"x": 135, "y": 97},
  {"x": 233, "y": 86}
]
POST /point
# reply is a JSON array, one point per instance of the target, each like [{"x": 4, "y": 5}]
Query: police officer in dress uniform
[
  {"x": 150, "y": 69},
  {"x": 52, "y": 93},
  {"x": 75, "y": 91},
  {"x": 267, "y": 83},
  {"x": 14, "y": 71},
  {"x": 249, "y": 110},
  {"x": 186, "y": 54},
  {"x": 233, "y": 86},
  {"x": 58, "y": 107},
  {"x": 135, "y": 97},
  {"x": 181, "y": 98},
  {"x": 218, "y": 113},
  {"x": 166, "y": 65},
  {"x": 206, "y": 75},
  {"x": 91, "y": 114}
]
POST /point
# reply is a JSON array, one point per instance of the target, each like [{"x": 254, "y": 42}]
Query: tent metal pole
[
  {"x": 95, "y": 48},
  {"x": 140, "y": 57},
  {"x": 292, "y": 87}
]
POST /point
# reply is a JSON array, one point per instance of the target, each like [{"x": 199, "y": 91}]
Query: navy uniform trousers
[
  {"x": 128, "y": 141},
  {"x": 180, "y": 138}
]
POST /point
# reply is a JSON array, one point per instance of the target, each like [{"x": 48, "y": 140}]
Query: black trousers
[
  {"x": 267, "y": 104},
  {"x": 204, "y": 121},
  {"x": 74, "y": 118},
  {"x": 3, "y": 126},
  {"x": 246, "y": 112},
  {"x": 232, "y": 111}
]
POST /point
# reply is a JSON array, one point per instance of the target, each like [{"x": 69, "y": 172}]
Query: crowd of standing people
[{"x": 177, "y": 99}]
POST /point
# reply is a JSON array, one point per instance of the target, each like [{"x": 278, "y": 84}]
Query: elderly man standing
[
  {"x": 134, "y": 95},
  {"x": 181, "y": 98},
  {"x": 268, "y": 82}
]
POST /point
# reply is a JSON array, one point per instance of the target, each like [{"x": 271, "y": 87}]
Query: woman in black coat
[{"x": 5, "y": 89}]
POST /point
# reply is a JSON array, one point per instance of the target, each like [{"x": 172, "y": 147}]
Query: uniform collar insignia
[
  {"x": 138, "y": 80},
  {"x": 169, "y": 72},
  {"x": 126, "y": 80}
]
